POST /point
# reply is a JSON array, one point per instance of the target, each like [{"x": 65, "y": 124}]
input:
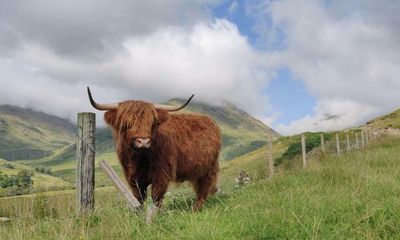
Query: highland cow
[{"x": 157, "y": 147}]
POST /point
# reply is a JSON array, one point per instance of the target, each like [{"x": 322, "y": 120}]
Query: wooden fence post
[
  {"x": 322, "y": 142},
  {"x": 303, "y": 149},
  {"x": 370, "y": 135},
  {"x": 337, "y": 144},
  {"x": 357, "y": 141},
  {"x": 371, "y": 132},
  {"x": 348, "y": 142},
  {"x": 85, "y": 154},
  {"x": 270, "y": 159},
  {"x": 366, "y": 137},
  {"x": 362, "y": 139}
]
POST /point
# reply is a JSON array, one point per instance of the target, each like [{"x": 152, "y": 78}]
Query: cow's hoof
[{"x": 196, "y": 208}]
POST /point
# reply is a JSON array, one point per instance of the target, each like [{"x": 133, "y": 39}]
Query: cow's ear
[
  {"x": 110, "y": 117},
  {"x": 163, "y": 116}
]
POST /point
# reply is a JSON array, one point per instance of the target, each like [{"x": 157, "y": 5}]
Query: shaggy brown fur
[{"x": 184, "y": 147}]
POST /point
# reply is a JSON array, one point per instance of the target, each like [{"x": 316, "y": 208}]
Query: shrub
[
  {"x": 43, "y": 169},
  {"x": 8, "y": 165},
  {"x": 313, "y": 140}
]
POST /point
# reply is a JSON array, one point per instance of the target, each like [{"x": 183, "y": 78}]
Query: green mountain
[{"x": 27, "y": 134}]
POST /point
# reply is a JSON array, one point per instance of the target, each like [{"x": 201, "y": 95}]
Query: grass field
[{"x": 352, "y": 196}]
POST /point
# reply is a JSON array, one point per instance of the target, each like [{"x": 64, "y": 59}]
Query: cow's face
[{"x": 135, "y": 123}]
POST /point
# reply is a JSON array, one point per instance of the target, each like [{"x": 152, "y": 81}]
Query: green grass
[{"x": 352, "y": 196}]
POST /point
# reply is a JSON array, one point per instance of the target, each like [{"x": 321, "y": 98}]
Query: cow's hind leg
[{"x": 203, "y": 187}]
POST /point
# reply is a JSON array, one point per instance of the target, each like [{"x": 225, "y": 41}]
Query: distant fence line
[
  {"x": 342, "y": 142},
  {"x": 24, "y": 154}
]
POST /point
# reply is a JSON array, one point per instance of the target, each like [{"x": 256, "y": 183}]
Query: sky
[{"x": 297, "y": 65}]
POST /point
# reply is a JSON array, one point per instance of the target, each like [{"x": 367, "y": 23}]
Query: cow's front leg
[{"x": 158, "y": 190}]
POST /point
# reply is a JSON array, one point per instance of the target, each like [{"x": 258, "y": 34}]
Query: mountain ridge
[{"x": 22, "y": 128}]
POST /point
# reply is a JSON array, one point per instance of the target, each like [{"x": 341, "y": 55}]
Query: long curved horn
[
  {"x": 172, "y": 108},
  {"x": 102, "y": 107}
]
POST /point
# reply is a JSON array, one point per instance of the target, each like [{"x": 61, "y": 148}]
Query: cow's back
[{"x": 192, "y": 143}]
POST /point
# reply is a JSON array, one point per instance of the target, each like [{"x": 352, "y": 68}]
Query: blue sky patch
[{"x": 289, "y": 97}]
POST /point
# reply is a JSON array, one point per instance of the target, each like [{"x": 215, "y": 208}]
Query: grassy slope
[
  {"x": 40, "y": 181},
  {"x": 391, "y": 120},
  {"x": 23, "y": 128},
  {"x": 354, "y": 196}
]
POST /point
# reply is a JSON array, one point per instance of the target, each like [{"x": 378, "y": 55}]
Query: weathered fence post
[
  {"x": 85, "y": 154},
  {"x": 270, "y": 159},
  {"x": 337, "y": 144},
  {"x": 129, "y": 198},
  {"x": 366, "y": 137},
  {"x": 357, "y": 141},
  {"x": 371, "y": 134},
  {"x": 348, "y": 142},
  {"x": 362, "y": 139},
  {"x": 322, "y": 142},
  {"x": 303, "y": 149}
]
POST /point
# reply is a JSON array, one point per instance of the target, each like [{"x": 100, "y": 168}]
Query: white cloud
[
  {"x": 85, "y": 29},
  {"x": 329, "y": 115},
  {"x": 211, "y": 60},
  {"x": 345, "y": 52}
]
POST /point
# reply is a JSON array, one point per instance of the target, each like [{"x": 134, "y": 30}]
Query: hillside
[
  {"x": 41, "y": 133},
  {"x": 391, "y": 120},
  {"x": 40, "y": 181}
]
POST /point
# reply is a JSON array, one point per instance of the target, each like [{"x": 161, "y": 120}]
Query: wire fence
[{"x": 24, "y": 154}]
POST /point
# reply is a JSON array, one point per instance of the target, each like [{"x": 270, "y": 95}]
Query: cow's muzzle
[{"x": 142, "y": 142}]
